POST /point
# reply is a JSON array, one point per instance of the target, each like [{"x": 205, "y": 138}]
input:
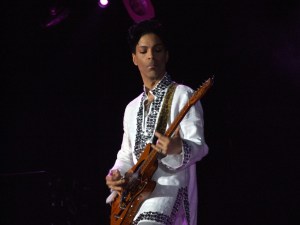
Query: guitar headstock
[{"x": 199, "y": 93}]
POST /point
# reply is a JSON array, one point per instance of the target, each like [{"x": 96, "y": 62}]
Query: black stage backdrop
[{"x": 65, "y": 88}]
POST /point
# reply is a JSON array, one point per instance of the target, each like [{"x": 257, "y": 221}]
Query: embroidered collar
[
  {"x": 144, "y": 134},
  {"x": 160, "y": 86}
]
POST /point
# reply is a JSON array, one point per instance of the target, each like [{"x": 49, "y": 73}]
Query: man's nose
[{"x": 150, "y": 54}]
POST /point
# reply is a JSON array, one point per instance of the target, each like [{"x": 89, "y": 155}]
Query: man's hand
[
  {"x": 168, "y": 146},
  {"x": 115, "y": 181}
]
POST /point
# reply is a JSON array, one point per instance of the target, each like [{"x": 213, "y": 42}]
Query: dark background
[{"x": 65, "y": 89}]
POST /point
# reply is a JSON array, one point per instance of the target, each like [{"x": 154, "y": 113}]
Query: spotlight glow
[
  {"x": 103, "y": 3},
  {"x": 139, "y": 9}
]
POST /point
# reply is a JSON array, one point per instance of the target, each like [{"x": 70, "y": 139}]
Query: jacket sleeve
[
  {"x": 191, "y": 131},
  {"x": 124, "y": 159}
]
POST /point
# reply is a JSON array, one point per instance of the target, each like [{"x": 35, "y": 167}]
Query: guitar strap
[{"x": 165, "y": 110}]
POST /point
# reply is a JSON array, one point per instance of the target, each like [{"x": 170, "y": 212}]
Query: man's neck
[{"x": 151, "y": 83}]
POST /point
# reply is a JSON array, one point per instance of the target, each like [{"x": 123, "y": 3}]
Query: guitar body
[
  {"x": 125, "y": 216},
  {"x": 138, "y": 189}
]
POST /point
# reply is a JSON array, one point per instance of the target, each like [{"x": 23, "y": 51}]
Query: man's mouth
[{"x": 152, "y": 66}]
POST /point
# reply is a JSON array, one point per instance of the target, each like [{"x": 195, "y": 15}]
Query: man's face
[{"x": 150, "y": 57}]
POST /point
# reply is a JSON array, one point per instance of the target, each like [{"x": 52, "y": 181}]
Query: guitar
[{"x": 139, "y": 184}]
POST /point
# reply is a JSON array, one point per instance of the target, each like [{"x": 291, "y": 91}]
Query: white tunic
[{"x": 174, "y": 199}]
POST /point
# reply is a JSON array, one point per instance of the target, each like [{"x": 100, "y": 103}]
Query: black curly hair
[{"x": 137, "y": 30}]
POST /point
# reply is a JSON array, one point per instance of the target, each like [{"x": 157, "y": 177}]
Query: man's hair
[{"x": 137, "y": 30}]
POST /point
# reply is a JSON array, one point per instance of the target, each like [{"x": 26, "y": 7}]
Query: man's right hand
[{"x": 115, "y": 181}]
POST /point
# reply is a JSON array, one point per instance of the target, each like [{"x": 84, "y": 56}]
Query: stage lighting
[
  {"x": 139, "y": 9},
  {"x": 103, "y": 3},
  {"x": 56, "y": 15}
]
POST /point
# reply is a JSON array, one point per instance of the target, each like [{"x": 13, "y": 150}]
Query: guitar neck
[
  {"x": 192, "y": 101},
  {"x": 153, "y": 154},
  {"x": 177, "y": 120}
]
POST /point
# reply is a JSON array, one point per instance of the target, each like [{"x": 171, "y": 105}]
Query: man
[{"x": 174, "y": 198}]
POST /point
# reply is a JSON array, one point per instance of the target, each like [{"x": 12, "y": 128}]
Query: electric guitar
[{"x": 139, "y": 184}]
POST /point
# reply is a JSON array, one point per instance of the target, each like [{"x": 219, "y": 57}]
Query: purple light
[
  {"x": 56, "y": 16},
  {"x": 103, "y": 3},
  {"x": 139, "y": 9}
]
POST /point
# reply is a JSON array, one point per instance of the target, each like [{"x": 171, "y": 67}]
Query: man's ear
[{"x": 134, "y": 59}]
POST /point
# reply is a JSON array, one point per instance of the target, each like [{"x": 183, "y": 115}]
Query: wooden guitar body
[
  {"x": 139, "y": 187},
  {"x": 120, "y": 216}
]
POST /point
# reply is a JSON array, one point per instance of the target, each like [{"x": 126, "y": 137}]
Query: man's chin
[{"x": 156, "y": 74}]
